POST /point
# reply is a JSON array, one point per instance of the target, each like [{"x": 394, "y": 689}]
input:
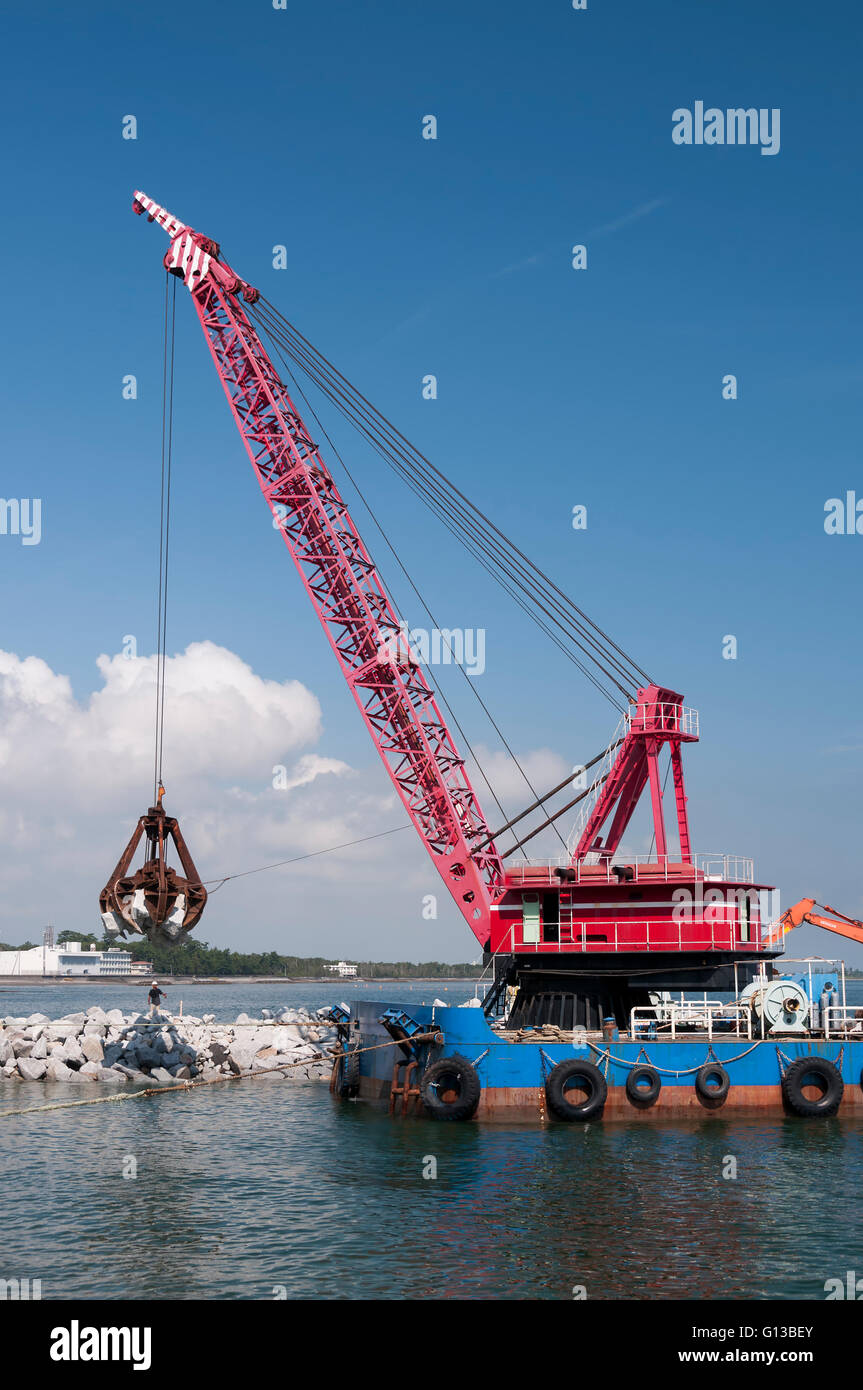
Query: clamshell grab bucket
[{"x": 156, "y": 901}]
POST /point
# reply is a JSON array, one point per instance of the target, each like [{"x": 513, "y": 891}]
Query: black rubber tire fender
[
  {"x": 797, "y": 1076},
  {"x": 639, "y": 1093},
  {"x": 712, "y": 1082},
  {"x": 450, "y": 1088},
  {"x": 590, "y": 1079},
  {"x": 348, "y": 1080}
]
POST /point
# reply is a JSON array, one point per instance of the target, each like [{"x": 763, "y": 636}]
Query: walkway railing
[
  {"x": 639, "y": 934},
  {"x": 840, "y": 1020},
  {"x": 695, "y": 1015},
  {"x": 716, "y": 867}
]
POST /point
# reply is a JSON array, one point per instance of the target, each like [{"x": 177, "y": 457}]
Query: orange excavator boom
[{"x": 804, "y": 911}]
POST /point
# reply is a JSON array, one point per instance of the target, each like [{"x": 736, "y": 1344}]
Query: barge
[
  {"x": 787, "y": 1043},
  {"x": 626, "y": 986},
  {"x": 587, "y": 954}
]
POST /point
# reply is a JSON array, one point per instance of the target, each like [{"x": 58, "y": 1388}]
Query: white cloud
[
  {"x": 542, "y": 766},
  {"x": 221, "y": 718},
  {"x": 77, "y": 773},
  {"x": 222, "y": 722},
  {"x": 634, "y": 215}
]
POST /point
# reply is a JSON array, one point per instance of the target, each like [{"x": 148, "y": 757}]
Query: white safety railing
[
  {"x": 840, "y": 1020},
  {"x": 731, "y": 868},
  {"x": 586, "y": 808},
  {"x": 662, "y": 716},
  {"x": 693, "y": 1015},
  {"x": 639, "y": 934}
]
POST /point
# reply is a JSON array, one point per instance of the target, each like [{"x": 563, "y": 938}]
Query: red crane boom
[{"x": 339, "y": 576}]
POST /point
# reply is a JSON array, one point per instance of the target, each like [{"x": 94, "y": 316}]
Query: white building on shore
[
  {"x": 68, "y": 959},
  {"x": 343, "y": 969}
]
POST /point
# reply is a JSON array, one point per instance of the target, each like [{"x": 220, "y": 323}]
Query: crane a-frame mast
[{"x": 339, "y": 576}]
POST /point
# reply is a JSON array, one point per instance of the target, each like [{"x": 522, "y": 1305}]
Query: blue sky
[{"x": 556, "y": 387}]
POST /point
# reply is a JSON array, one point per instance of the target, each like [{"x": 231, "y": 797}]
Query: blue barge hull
[{"x": 513, "y": 1073}]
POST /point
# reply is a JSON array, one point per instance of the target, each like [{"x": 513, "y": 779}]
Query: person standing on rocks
[{"x": 154, "y": 996}]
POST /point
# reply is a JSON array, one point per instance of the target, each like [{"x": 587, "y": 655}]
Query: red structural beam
[
  {"x": 391, "y": 691},
  {"x": 656, "y": 718}
]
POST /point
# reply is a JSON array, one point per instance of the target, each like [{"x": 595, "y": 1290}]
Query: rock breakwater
[{"x": 119, "y": 1049}]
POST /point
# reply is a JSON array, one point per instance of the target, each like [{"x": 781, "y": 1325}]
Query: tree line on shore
[{"x": 199, "y": 958}]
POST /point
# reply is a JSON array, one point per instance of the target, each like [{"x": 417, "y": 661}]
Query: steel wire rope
[
  {"x": 426, "y": 608},
  {"x": 444, "y": 514},
  {"x": 312, "y": 854},
  {"x": 374, "y": 426},
  {"x": 438, "y": 691},
  {"x": 436, "y": 500},
  {"x": 164, "y": 524},
  {"x": 325, "y": 365},
  {"x": 445, "y": 517}
]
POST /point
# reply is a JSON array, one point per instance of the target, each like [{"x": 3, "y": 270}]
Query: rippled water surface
[{"x": 251, "y": 1187}]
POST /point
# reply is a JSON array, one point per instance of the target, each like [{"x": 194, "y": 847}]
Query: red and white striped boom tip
[
  {"x": 192, "y": 256},
  {"x": 172, "y": 225}
]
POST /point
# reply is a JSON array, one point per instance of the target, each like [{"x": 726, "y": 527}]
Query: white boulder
[
  {"x": 57, "y": 1070},
  {"x": 92, "y": 1048},
  {"x": 32, "y": 1068}
]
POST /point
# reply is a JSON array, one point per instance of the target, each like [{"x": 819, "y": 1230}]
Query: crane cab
[{"x": 642, "y": 905}]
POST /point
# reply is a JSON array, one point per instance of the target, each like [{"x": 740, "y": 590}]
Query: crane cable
[
  {"x": 499, "y": 551},
  {"x": 164, "y": 524},
  {"x": 395, "y": 554},
  {"x": 218, "y": 883},
  {"x": 444, "y": 515},
  {"x": 441, "y": 496},
  {"x": 311, "y": 359},
  {"x": 426, "y": 608},
  {"x": 313, "y": 854}
]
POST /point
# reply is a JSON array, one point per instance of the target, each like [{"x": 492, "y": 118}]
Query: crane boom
[{"x": 391, "y": 691}]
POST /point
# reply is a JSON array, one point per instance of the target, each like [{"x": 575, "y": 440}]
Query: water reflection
[{"x": 243, "y": 1189}]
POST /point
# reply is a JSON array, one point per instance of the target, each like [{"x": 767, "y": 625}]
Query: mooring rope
[
  {"x": 667, "y": 1071},
  {"x": 213, "y": 1081}
]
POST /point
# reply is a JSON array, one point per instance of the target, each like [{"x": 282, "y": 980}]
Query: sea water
[{"x": 267, "y": 1190}]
